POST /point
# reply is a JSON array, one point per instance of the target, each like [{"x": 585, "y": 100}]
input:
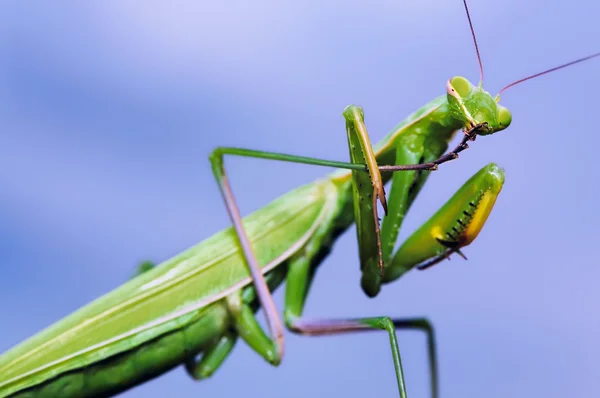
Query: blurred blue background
[{"x": 108, "y": 111}]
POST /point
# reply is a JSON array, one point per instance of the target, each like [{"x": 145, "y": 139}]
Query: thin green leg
[
  {"x": 242, "y": 305},
  {"x": 217, "y": 154},
  {"x": 405, "y": 188},
  {"x": 212, "y": 358},
  {"x": 299, "y": 277},
  {"x": 400, "y": 196},
  {"x": 251, "y": 332},
  {"x": 327, "y": 327}
]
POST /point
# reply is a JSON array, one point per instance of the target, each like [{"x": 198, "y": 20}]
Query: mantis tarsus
[{"x": 458, "y": 82}]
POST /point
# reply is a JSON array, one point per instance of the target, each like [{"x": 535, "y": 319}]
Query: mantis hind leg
[
  {"x": 242, "y": 306},
  {"x": 325, "y": 327},
  {"x": 301, "y": 271},
  {"x": 212, "y": 358},
  {"x": 244, "y": 325}
]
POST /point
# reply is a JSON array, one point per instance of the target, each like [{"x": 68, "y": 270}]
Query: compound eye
[
  {"x": 504, "y": 117},
  {"x": 459, "y": 86}
]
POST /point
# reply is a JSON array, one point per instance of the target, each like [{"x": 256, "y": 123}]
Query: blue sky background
[{"x": 108, "y": 111}]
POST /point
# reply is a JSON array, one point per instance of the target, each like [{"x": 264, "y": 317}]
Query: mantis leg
[
  {"x": 247, "y": 327},
  {"x": 453, "y": 226},
  {"x": 212, "y": 358},
  {"x": 300, "y": 274},
  {"x": 375, "y": 244},
  {"x": 432, "y": 164},
  {"x": 404, "y": 189},
  {"x": 327, "y": 327},
  {"x": 242, "y": 305}
]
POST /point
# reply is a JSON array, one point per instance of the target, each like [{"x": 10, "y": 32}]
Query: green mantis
[{"x": 387, "y": 150}]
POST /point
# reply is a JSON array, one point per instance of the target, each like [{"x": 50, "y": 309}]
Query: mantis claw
[
  {"x": 460, "y": 254},
  {"x": 454, "y": 226},
  {"x": 380, "y": 193}
]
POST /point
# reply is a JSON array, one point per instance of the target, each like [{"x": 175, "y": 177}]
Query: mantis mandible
[{"x": 355, "y": 120}]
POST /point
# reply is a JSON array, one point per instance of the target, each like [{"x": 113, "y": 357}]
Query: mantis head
[{"x": 474, "y": 106}]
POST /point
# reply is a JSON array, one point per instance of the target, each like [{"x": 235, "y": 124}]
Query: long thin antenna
[
  {"x": 549, "y": 70},
  {"x": 475, "y": 42}
]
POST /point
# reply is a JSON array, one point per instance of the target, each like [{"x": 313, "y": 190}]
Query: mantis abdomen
[{"x": 131, "y": 367}]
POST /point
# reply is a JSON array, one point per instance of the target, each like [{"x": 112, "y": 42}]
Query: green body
[
  {"x": 183, "y": 307},
  {"x": 156, "y": 320}
]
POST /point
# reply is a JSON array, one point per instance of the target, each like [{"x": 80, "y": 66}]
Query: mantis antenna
[
  {"x": 475, "y": 42},
  {"x": 548, "y": 71}
]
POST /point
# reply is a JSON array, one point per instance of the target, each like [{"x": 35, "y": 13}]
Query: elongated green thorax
[{"x": 454, "y": 226}]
